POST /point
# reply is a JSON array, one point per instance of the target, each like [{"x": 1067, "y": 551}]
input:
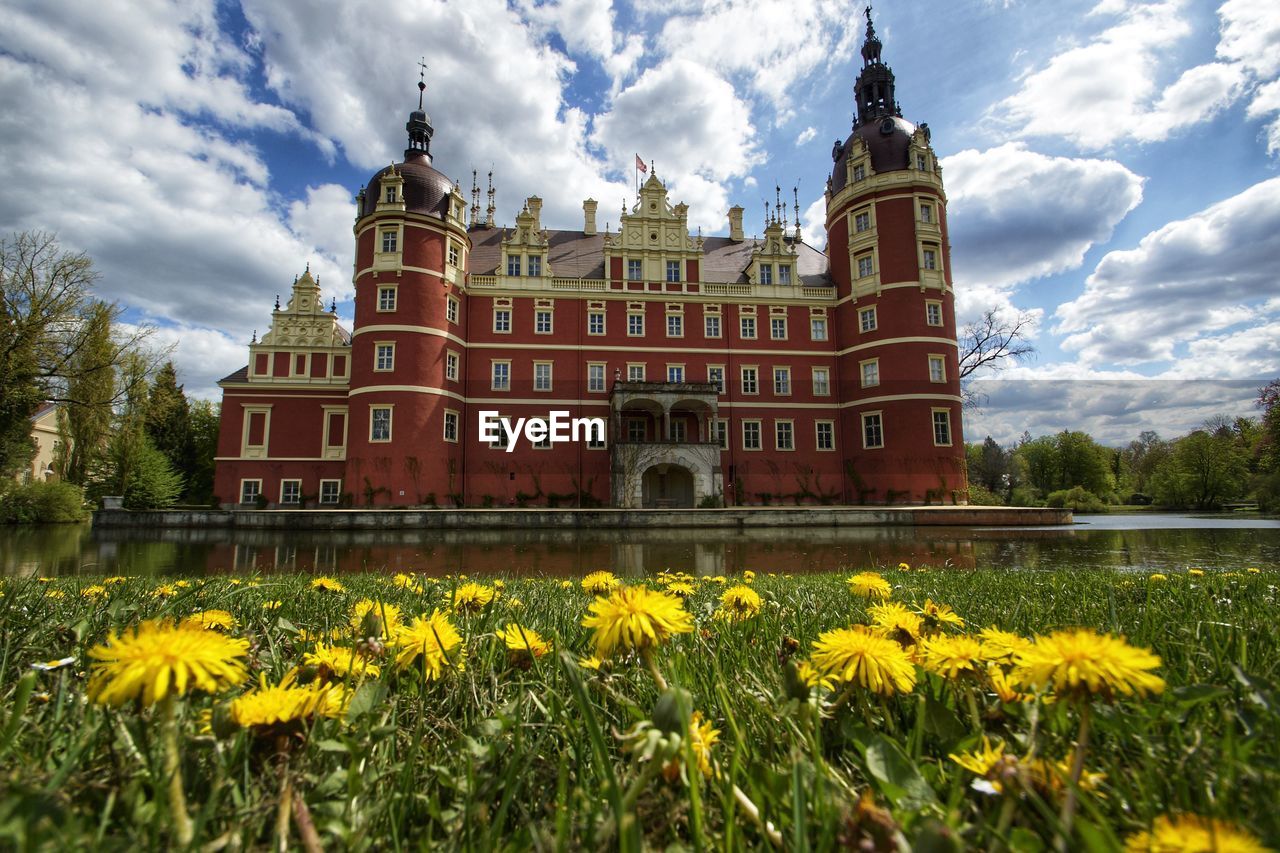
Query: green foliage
[
  {"x": 91, "y": 393},
  {"x": 1076, "y": 499},
  {"x": 979, "y": 495},
  {"x": 204, "y": 421},
  {"x": 1203, "y": 470},
  {"x": 41, "y": 503},
  {"x": 167, "y": 417},
  {"x": 151, "y": 482}
]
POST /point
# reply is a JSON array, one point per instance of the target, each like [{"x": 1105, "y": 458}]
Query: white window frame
[
  {"x": 679, "y": 273},
  {"x": 817, "y": 435},
  {"x": 712, "y": 370},
  {"x": 766, "y": 273},
  {"x": 781, "y": 425},
  {"x": 930, "y": 306},
  {"x": 759, "y": 433},
  {"x": 502, "y": 328},
  {"x": 635, "y": 329},
  {"x": 868, "y": 320},
  {"x": 373, "y": 421},
  {"x": 533, "y": 266},
  {"x": 542, "y": 376},
  {"x": 451, "y": 365},
  {"x": 592, "y": 315},
  {"x": 451, "y": 307},
  {"x": 781, "y": 388},
  {"x": 868, "y": 259},
  {"x": 324, "y": 498},
  {"x": 389, "y": 237},
  {"x": 384, "y": 356},
  {"x": 539, "y": 326},
  {"x": 776, "y": 325},
  {"x": 675, "y": 325},
  {"x": 784, "y": 274},
  {"x": 709, "y": 320},
  {"x": 866, "y": 417},
  {"x": 674, "y": 369},
  {"x": 635, "y": 269},
  {"x": 257, "y": 491},
  {"x": 386, "y": 306},
  {"x": 297, "y": 499},
  {"x": 933, "y": 423},
  {"x": 939, "y": 361},
  {"x": 754, "y": 386},
  {"x": 515, "y": 265},
  {"x": 494, "y": 384},
  {"x": 823, "y": 388},
  {"x": 745, "y": 324},
  {"x": 451, "y": 417},
  {"x": 872, "y": 365},
  {"x": 634, "y": 368},
  {"x": 817, "y": 328},
  {"x": 594, "y": 387}
]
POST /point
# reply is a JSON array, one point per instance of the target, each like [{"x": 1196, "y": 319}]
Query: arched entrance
[{"x": 668, "y": 486}]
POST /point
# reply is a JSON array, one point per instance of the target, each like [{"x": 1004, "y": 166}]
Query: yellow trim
[{"x": 918, "y": 339}]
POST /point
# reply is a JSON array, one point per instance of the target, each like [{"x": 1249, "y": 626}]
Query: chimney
[
  {"x": 535, "y": 207},
  {"x": 735, "y": 224},
  {"x": 589, "y": 217}
]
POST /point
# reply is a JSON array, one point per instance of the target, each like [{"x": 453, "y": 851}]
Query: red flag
[{"x": 641, "y": 166}]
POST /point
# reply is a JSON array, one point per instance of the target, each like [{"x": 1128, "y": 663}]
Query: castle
[{"x": 729, "y": 370}]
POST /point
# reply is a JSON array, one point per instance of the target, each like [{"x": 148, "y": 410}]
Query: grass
[{"x": 517, "y": 752}]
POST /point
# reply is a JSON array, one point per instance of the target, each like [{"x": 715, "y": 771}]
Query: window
[
  {"x": 821, "y": 381},
  {"x": 867, "y": 319},
  {"x": 595, "y": 377},
  {"x": 784, "y": 273},
  {"x": 870, "y": 370},
  {"x": 766, "y": 273},
  {"x": 942, "y": 427},
  {"x": 451, "y": 426},
  {"x": 513, "y": 265},
  {"x": 386, "y": 299},
  {"x": 451, "y": 366},
  {"x": 715, "y": 375},
  {"x": 711, "y": 325},
  {"x": 384, "y": 357},
  {"x": 933, "y": 313},
  {"x": 250, "y": 490},
  {"x": 673, "y": 270},
  {"x": 678, "y": 432},
  {"x": 750, "y": 435},
  {"x": 290, "y": 491},
  {"x": 451, "y": 310},
  {"x": 930, "y": 259},
  {"x": 380, "y": 423},
  {"x": 926, "y": 213},
  {"x": 818, "y": 328},
  {"x": 675, "y": 372},
  {"x": 595, "y": 440},
  {"x": 862, "y": 221},
  {"x": 595, "y": 323},
  {"x": 747, "y": 326},
  {"x": 859, "y": 172},
  {"x": 722, "y": 434},
  {"x": 636, "y": 430},
  {"x": 453, "y": 255},
  {"x": 330, "y": 491},
  {"x": 635, "y": 325},
  {"x": 866, "y": 266},
  {"x": 778, "y": 328},
  {"x": 389, "y": 239},
  {"x": 502, "y": 320},
  {"x": 500, "y": 434},
  {"x": 872, "y": 431},
  {"x": 937, "y": 368},
  {"x": 675, "y": 326},
  {"x": 633, "y": 270},
  {"x": 535, "y": 265},
  {"x": 784, "y": 435},
  {"x": 750, "y": 382},
  {"x": 825, "y": 435},
  {"x": 501, "y": 376},
  {"x": 542, "y": 376},
  {"x": 543, "y": 443},
  {"x": 391, "y": 195},
  {"x": 635, "y": 372},
  {"x": 922, "y": 162},
  {"x": 542, "y": 322},
  {"x": 782, "y": 380}
]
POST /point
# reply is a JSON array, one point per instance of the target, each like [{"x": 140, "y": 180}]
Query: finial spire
[
  {"x": 475, "y": 198},
  {"x": 277, "y": 302},
  {"x": 488, "y": 215},
  {"x": 419, "y": 125},
  {"x": 422, "y": 79}
]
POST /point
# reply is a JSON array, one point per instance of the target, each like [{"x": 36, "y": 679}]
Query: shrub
[
  {"x": 1076, "y": 499},
  {"x": 151, "y": 483},
  {"x": 41, "y": 503},
  {"x": 982, "y": 496},
  {"x": 1024, "y": 496}
]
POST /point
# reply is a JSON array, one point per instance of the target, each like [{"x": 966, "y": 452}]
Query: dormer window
[
  {"x": 922, "y": 162},
  {"x": 391, "y": 195},
  {"x": 859, "y": 172},
  {"x": 513, "y": 265},
  {"x": 766, "y": 273},
  {"x": 535, "y": 265},
  {"x": 784, "y": 273}
]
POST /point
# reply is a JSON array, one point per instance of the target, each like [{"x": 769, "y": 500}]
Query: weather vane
[{"x": 422, "y": 79}]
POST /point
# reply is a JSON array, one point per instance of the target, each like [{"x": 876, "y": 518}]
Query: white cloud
[
  {"x": 1017, "y": 215},
  {"x": 1206, "y": 273},
  {"x": 1250, "y": 35},
  {"x": 806, "y": 135},
  {"x": 202, "y": 355},
  {"x": 587, "y": 28}
]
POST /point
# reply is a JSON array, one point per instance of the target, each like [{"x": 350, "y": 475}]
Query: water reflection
[{"x": 1150, "y": 543}]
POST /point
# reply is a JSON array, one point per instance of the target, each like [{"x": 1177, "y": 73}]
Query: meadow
[{"x": 900, "y": 708}]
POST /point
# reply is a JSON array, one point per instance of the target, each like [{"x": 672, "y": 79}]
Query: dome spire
[
  {"x": 873, "y": 90},
  {"x": 419, "y": 125}
]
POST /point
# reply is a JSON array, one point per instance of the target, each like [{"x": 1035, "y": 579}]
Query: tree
[
  {"x": 204, "y": 446},
  {"x": 992, "y": 342},
  {"x": 91, "y": 387},
  {"x": 1204, "y": 470},
  {"x": 47, "y": 326},
  {"x": 168, "y": 420}
]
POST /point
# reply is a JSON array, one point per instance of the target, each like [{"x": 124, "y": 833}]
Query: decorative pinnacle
[
  {"x": 333, "y": 305},
  {"x": 277, "y": 302}
]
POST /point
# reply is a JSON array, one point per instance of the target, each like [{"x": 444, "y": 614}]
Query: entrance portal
[{"x": 668, "y": 486}]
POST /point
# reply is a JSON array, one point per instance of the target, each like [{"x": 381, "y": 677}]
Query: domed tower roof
[
  {"x": 878, "y": 120},
  {"x": 426, "y": 190}
]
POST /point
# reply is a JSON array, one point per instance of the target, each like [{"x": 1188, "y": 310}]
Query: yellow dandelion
[
  {"x": 869, "y": 585},
  {"x": 1082, "y": 663},
  {"x": 938, "y": 615},
  {"x": 432, "y": 640},
  {"x": 339, "y": 662},
  {"x": 1004, "y": 686},
  {"x": 409, "y": 582},
  {"x": 897, "y": 622},
  {"x": 523, "y": 641},
  {"x": 274, "y": 706},
  {"x": 748, "y": 576},
  {"x": 114, "y": 579},
  {"x": 55, "y": 594},
  {"x": 1196, "y": 572},
  {"x": 904, "y": 567},
  {"x": 857, "y": 656},
  {"x": 1000, "y": 646},
  {"x": 271, "y": 605},
  {"x": 472, "y": 597},
  {"x": 953, "y": 656},
  {"x": 600, "y": 583},
  {"x": 635, "y": 617},
  {"x": 95, "y": 591},
  {"x": 741, "y": 600},
  {"x": 720, "y": 579},
  {"x": 1192, "y": 834},
  {"x": 591, "y": 662},
  {"x": 327, "y": 584},
  {"x": 684, "y": 589},
  {"x": 157, "y": 658},
  {"x": 811, "y": 677},
  {"x": 566, "y": 584},
  {"x": 1253, "y": 571},
  {"x": 981, "y": 761},
  {"x": 219, "y": 620},
  {"x": 372, "y": 618},
  {"x": 1158, "y": 578},
  {"x": 702, "y": 736}
]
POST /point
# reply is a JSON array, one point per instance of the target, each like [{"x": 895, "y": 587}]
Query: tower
[
  {"x": 406, "y": 400},
  {"x": 895, "y": 317}
]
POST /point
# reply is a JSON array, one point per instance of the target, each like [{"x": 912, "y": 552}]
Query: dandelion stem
[
  {"x": 753, "y": 812},
  {"x": 285, "y": 806},
  {"x": 1007, "y": 809},
  {"x": 651, "y": 664},
  {"x": 1077, "y": 767},
  {"x": 173, "y": 770}
]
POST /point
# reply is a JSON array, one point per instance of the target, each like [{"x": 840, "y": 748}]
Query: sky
[{"x": 1110, "y": 167}]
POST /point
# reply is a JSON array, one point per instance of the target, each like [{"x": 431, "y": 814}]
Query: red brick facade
[{"x": 833, "y": 374}]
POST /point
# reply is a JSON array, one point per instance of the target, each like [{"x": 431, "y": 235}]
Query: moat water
[{"x": 1135, "y": 542}]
